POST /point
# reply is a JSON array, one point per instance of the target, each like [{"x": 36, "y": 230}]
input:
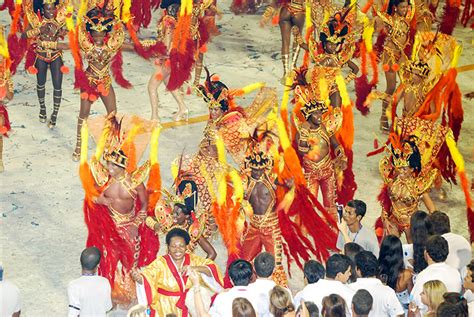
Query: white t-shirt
[
  {"x": 10, "y": 300},
  {"x": 437, "y": 271},
  {"x": 89, "y": 296},
  {"x": 222, "y": 306},
  {"x": 365, "y": 237},
  {"x": 317, "y": 291},
  {"x": 460, "y": 253},
  {"x": 385, "y": 300}
]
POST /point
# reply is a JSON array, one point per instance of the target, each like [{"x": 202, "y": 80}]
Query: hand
[
  {"x": 194, "y": 276},
  {"x": 342, "y": 226},
  {"x": 185, "y": 270},
  {"x": 142, "y": 215},
  {"x": 136, "y": 276}
]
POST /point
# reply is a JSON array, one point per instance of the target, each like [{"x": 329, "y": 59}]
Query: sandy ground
[{"x": 42, "y": 226}]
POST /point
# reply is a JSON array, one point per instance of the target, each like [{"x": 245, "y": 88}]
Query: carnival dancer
[
  {"x": 100, "y": 37},
  {"x": 116, "y": 203},
  {"x": 232, "y": 125},
  {"x": 166, "y": 28},
  {"x": 260, "y": 206},
  {"x": 179, "y": 211},
  {"x": 46, "y": 27},
  {"x": 337, "y": 41},
  {"x": 291, "y": 14},
  {"x": 397, "y": 21},
  {"x": 406, "y": 180},
  {"x": 164, "y": 284},
  {"x": 6, "y": 93}
]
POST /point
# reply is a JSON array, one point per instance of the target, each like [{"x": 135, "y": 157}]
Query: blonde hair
[
  {"x": 280, "y": 301},
  {"x": 434, "y": 290}
]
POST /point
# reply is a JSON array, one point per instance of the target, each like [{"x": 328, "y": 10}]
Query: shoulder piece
[
  {"x": 84, "y": 42},
  {"x": 140, "y": 174},
  {"x": 333, "y": 121},
  {"x": 99, "y": 172},
  {"x": 33, "y": 19},
  {"x": 384, "y": 17},
  {"x": 116, "y": 39},
  {"x": 385, "y": 169},
  {"x": 424, "y": 181},
  {"x": 61, "y": 15}
]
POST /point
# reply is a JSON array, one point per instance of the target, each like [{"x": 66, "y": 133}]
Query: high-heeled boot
[
  {"x": 57, "y": 93},
  {"x": 40, "y": 91},
  {"x": 76, "y": 155}
]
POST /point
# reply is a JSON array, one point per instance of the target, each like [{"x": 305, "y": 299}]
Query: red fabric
[
  {"x": 8, "y": 4},
  {"x": 386, "y": 203},
  {"x": 17, "y": 48},
  {"x": 363, "y": 89},
  {"x": 468, "y": 12},
  {"x": 30, "y": 58},
  {"x": 159, "y": 49},
  {"x": 82, "y": 83},
  {"x": 450, "y": 18},
  {"x": 6, "y": 122},
  {"x": 117, "y": 71},
  {"x": 181, "y": 66},
  {"x": 378, "y": 45},
  {"x": 149, "y": 296},
  {"x": 182, "y": 293}
]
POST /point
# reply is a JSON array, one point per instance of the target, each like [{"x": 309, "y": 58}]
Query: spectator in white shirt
[
  {"x": 313, "y": 271},
  {"x": 460, "y": 252},
  {"x": 385, "y": 300},
  {"x": 435, "y": 254},
  {"x": 469, "y": 288},
  {"x": 89, "y": 295},
  {"x": 352, "y": 230},
  {"x": 338, "y": 271},
  {"x": 264, "y": 265},
  {"x": 10, "y": 300},
  {"x": 362, "y": 303},
  {"x": 240, "y": 273}
]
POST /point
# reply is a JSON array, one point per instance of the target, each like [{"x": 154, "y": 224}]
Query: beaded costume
[{"x": 122, "y": 236}]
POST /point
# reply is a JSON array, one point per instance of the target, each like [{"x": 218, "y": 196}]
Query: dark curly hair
[
  {"x": 215, "y": 88},
  {"x": 420, "y": 228},
  {"x": 394, "y": 3},
  {"x": 391, "y": 260}
]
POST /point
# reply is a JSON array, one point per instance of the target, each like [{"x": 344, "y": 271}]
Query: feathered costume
[{"x": 123, "y": 238}]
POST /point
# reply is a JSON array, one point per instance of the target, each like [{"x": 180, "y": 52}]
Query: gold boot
[{"x": 76, "y": 155}]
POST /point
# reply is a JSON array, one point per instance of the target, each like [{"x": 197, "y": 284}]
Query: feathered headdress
[
  {"x": 336, "y": 29},
  {"x": 214, "y": 92},
  {"x": 113, "y": 147}
]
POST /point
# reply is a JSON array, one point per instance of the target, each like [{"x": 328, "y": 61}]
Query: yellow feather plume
[
  {"x": 252, "y": 87},
  {"x": 126, "y": 10},
  {"x": 456, "y": 55},
  {"x": 237, "y": 184},
  {"x": 284, "y": 140},
  {"x": 222, "y": 184},
  {"x": 367, "y": 34},
  {"x": 155, "y": 135},
  {"x": 453, "y": 149},
  {"x": 285, "y": 204},
  {"x": 341, "y": 86},
  {"x": 101, "y": 143},
  {"x": 174, "y": 170},
  {"x": 308, "y": 21}
]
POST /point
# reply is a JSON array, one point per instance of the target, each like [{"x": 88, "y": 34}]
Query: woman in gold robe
[{"x": 163, "y": 285}]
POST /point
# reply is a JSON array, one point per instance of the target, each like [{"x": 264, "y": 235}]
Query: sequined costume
[
  {"x": 99, "y": 57},
  {"x": 6, "y": 93},
  {"x": 415, "y": 149},
  {"x": 121, "y": 235},
  {"x": 47, "y": 25}
]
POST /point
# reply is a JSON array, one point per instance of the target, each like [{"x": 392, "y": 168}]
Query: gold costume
[{"x": 166, "y": 288}]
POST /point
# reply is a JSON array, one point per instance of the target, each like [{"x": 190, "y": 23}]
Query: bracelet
[
  {"x": 32, "y": 33},
  {"x": 150, "y": 222},
  {"x": 350, "y": 77}
]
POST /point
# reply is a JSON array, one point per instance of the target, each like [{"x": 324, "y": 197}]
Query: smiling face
[
  {"x": 402, "y": 9},
  {"x": 179, "y": 217},
  {"x": 177, "y": 248},
  {"x": 98, "y": 37}
]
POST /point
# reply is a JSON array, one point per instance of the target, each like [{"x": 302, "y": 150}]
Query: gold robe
[{"x": 166, "y": 289}]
